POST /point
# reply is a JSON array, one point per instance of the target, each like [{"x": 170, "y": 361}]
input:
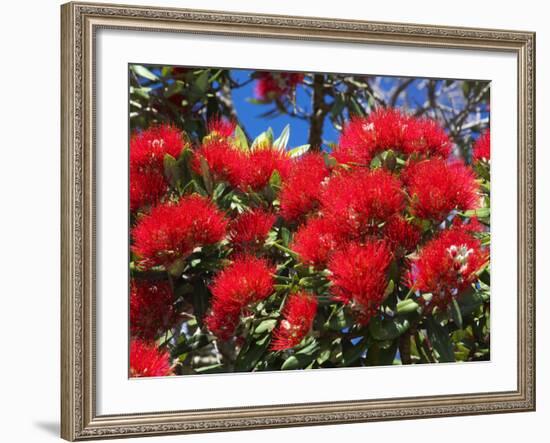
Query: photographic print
[{"x": 298, "y": 220}]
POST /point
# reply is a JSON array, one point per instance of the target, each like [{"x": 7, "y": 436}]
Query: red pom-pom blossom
[
  {"x": 298, "y": 315},
  {"x": 147, "y": 151},
  {"x": 301, "y": 191},
  {"x": 447, "y": 264},
  {"x": 358, "y": 273},
  {"x": 358, "y": 201},
  {"x": 437, "y": 187},
  {"x": 402, "y": 235},
  {"x": 272, "y": 85},
  {"x": 258, "y": 167},
  {"x": 389, "y": 129},
  {"x": 247, "y": 280},
  {"x": 249, "y": 230},
  {"x": 148, "y": 361},
  {"x": 152, "y": 310},
  {"x": 482, "y": 147},
  {"x": 171, "y": 231},
  {"x": 316, "y": 240}
]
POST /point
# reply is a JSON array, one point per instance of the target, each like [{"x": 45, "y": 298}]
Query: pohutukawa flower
[
  {"x": 402, "y": 235},
  {"x": 146, "y": 360},
  {"x": 272, "y": 85},
  {"x": 171, "y": 231},
  {"x": 146, "y": 188},
  {"x": 258, "y": 167},
  {"x": 298, "y": 315},
  {"x": 151, "y": 308},
  {"x": 359, "y": 276},
  {"x": 316, "y": 240},
  {"x": 225, "y": 162},
  {"x": 147, "y": 151},
  {"x": 384, "y": 129},
  {"x": 437, "y": 187},
  {"x": 358, "y": 201},
  {"x": 148, "y": 148},
  {"x": 247, "y": 280},
  {"x": 427, "y": 138},
  {"x": 223, "y": 128},
  {"x": 447, "y": 264},
  {"x": 301, "y": 191},
  {"x": 482, "y": 147},
  {"x": 249, "y": 230}
]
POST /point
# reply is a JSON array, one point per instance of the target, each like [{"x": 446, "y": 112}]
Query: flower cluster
[
  {"x": 251, "y": 247},
  {"x": 172, "y": 231},
  {"x": 482, "y": 147},
  {"x": 272, "y": 85},
  {"x": 247, "y": 170},
  {"x": 151, "y": 308},
  {"x": 246, "y": 281},
  {"x": 389, "y": 129},
  {"x": 146, "y": 360},
  {"x": 147, "y": 151},
  {"x": 447, "y": 264},
  {"x": 298, "y": 315}
]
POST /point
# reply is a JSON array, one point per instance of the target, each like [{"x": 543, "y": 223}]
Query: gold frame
[{"x": 79, "y": 24}]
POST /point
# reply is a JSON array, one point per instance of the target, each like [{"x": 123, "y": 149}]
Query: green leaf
[
  {"x": 240, "y": 140},
  {"x": 251, "y": 354},
  {"x": 378, "y": 356},
  {"x": 170, "y": 169},
  {"x": 440, "y": 340},
  {"x": 388, "y": 328},
  {"x": 282, "y": 142},
  {"x": 211, "y": 369},
  {"x": 406, "y": 306},
  {"x": 481, "y": 213},
  {"x": 299, "y": 150},
  {"x": 265, "y": 326},
  {"x": 263, "y": 141},
  {"x": 353, "y": 352},
  {"x": 456, "y": 315},
  {"x": 303, "y": 357},
  {"x": 201, "y": 83},
  {"x": 142, "y": 71},
  {"x": 205, "y": 170}
]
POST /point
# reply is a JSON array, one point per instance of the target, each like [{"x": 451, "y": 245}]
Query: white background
[
  {"x": 118, "y": 394},
  {"x": 29, "y": 184}
]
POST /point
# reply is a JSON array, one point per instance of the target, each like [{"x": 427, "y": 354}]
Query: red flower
[
  {"x": 356, "y": 202},
  {"x": 250, "y": 229},
  {"x": 426, "y": 138},
  {"x": 147, "y": 151},
  {"x": 148, "y": 361},
  {"x": 437, "y": 187},
  {"x": 482, "y": 147},
  {"x": 151, "y": 308},
  {"x": 315, "y": 241},
  {"x": 447, "y": 264},
  {"x": 384, "y": 129},
  {"x": 224, "y": 161},
  {"x": 299, "y": 313},
  {"x": 247, "y": 280},
  {"x": 402, "y": 235},
  {"x": 221, "y": 127},
  {"x": 146, "y": 188},
  {"x": 148, "y": 148},
  {"x": 272, "y": 85},
  {"x": 171, "y": 231},
  {"x": 258, "y": 167},
  {"x": 300, "y": 192},
  {"x": 364, "y": 137},
  {"x": 359, "y": 276}
]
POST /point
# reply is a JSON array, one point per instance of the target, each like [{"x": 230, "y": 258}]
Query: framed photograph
[{"x": 282, "y": 221}]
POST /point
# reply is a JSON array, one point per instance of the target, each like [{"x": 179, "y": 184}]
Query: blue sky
[{"x": 249, "y": 113}]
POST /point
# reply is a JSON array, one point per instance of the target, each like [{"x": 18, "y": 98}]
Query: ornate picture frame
[{"x": 80, "y": 22}]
